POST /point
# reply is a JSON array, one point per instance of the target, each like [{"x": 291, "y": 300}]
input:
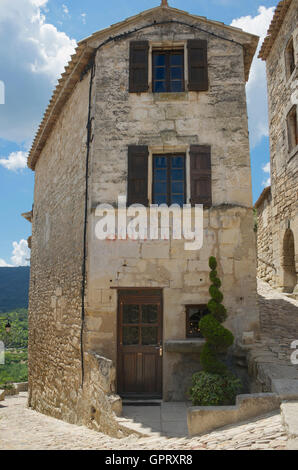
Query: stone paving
[{"x": 23, "y": 428}]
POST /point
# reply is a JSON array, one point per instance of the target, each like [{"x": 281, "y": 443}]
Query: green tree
[{"x": 215, "y": 385}]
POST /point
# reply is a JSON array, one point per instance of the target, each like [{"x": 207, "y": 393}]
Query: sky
[{"x": 37, "y": 38}]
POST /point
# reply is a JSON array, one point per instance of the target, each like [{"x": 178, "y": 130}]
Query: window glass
[
  {"x": 169, "y": 179},
  {"x": 168, "y": 71}
]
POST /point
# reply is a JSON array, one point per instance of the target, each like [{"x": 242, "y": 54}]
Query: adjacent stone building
[
  {"x": 153, "y": 108},
  {"x": 278, "y": 205}
]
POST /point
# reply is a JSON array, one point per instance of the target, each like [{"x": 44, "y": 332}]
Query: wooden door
[{"x": 140, "y": 344}]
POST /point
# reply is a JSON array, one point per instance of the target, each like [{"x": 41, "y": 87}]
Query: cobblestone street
[{"x": 23, "y": 428}]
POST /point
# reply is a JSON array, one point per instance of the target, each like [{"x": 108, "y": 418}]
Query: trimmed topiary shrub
[
  {"x": 215, "y": 385},
  {"x": 213, "y": 389}
]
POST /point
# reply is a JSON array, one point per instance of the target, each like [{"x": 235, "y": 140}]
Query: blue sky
[{"x": 36, "y": 40}]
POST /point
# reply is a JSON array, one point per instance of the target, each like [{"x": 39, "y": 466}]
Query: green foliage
[
  {"x": 212, "y": 263},
  {"x": 215, "y": 333},
  {"x": 16, "y": 342},
  {"x": 209, "y": 389},
  {"x": 209, "y": 361},
  {"x": 15, "y": 368},
  {"x": 14, "y": 286},
  {"x": 215, "y": 385},
  {"x": 215, "y": 294},
  {"x": 18, "y": 336}
]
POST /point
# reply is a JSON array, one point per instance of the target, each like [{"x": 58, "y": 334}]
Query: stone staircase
[{"x": 269, "y": 359}]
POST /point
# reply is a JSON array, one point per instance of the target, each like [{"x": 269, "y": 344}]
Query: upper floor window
[
  {"x": 168, "y": 179},
  {"x": 290, "y": 58},
  {"x": 292, "y": 128},
  {"x": 167, "y": 71}
]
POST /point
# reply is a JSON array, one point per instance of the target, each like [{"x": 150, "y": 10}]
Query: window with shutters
[
  {"x": 200, "y": 175},
  {"x": 169, "y": 182},
  {"x": 167, "y": 71},
  {"x": 290, "y": 58},
  {"x": 292, "y": 125},
  {"x": 137, "y": 179}
]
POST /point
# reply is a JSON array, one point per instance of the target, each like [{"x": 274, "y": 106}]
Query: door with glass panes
[{"x": 140, "y": 343}]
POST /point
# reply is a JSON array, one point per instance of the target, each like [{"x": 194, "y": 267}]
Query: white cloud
[
  {"x": 20, "y": 253},
  {"x": 34, "y": 53},
  {"x": 266, "y": 170},
  {"x": 3, "y": 264},
  {"x": 256, "y": 87},
  {"x": 65, "y": 9},
  {"x": 15, "y": 161},
  {"x": 83, "y": 15}
]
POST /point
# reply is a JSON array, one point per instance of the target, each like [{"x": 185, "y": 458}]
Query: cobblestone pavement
[{"x": 23, "y": 428}]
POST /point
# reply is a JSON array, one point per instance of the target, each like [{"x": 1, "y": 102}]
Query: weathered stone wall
[
  {"x": 56, "y": 263},
  {"x": 265, "y": 267},
  {"x": 284, "y": 163},
  {"x": 171, "y": 122}
]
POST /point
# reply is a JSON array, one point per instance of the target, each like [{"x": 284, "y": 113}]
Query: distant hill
[{"x": 14, "y": 287}]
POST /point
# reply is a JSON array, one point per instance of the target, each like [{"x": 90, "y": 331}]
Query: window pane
[
  {"x": 130, "y": 335},
  {"x": 177, "y": 175},
  {"x": 178, "y": 187},
  {"x": 160, "y": 175},
  {"x": 160, "y": 73},
  {"x": 130, "y": 313},
  {"x": 176, "y": 73},
  {"x": 177, "y": 199},
  {"x": 149, "y": 313},
  {"x": 149, "y": 335},
  {"x": 160, "y": 162},
  {"x": 176, "y": 86},
  {"x": 160, "y": 187},
  {"x": 159, "y": 87},
  {"x": 178, "y": 162},
  {"x": 159, "y": 59},
  {"x": 160, "y": 199},
  {"x": 176, "y": 59}
]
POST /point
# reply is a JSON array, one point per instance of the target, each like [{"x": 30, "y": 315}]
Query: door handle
[{"x": 160, "y": 348}]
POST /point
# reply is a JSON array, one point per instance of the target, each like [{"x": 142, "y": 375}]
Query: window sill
[
  {"x": 184, "y": 346},
  {"x": 181, "y": 96}
]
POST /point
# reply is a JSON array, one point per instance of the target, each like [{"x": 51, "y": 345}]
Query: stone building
[
  {"x": 153, "y": 107},
  {"x": 278, "y": 205}
]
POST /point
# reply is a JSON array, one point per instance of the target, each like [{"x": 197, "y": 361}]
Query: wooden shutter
[
  {"x": 200, "y": 175},
  {"x": 197, "y": 65},
  {"x": 137, "y": 190},
  {"x": 138, "y": 66}
]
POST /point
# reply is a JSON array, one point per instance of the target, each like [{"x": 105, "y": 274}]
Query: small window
[
  {"x": 168, "y": 179},
  {"x": 290, "y": 58},
  {"x": 168, "y": 71},
  {"x": 194, "y": 313},
  {"x": 292, "y": 128}
]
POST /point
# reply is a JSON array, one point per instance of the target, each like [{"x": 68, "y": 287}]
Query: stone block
[
  {"x": 155, "y": 249},
  {"x": 203, "y": 419}
]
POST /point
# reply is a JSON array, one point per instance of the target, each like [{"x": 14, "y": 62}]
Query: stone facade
[
  {"x": 59, "y": 336},
  {"x": 278, "y": 209}
]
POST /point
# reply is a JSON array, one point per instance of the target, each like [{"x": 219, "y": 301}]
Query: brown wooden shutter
[
  {"x": 197, "y": 65},
  {"x": 137, "y": 189},
  {"x": 138, "y": 66},
  {"x": 200, "y": 175}
]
